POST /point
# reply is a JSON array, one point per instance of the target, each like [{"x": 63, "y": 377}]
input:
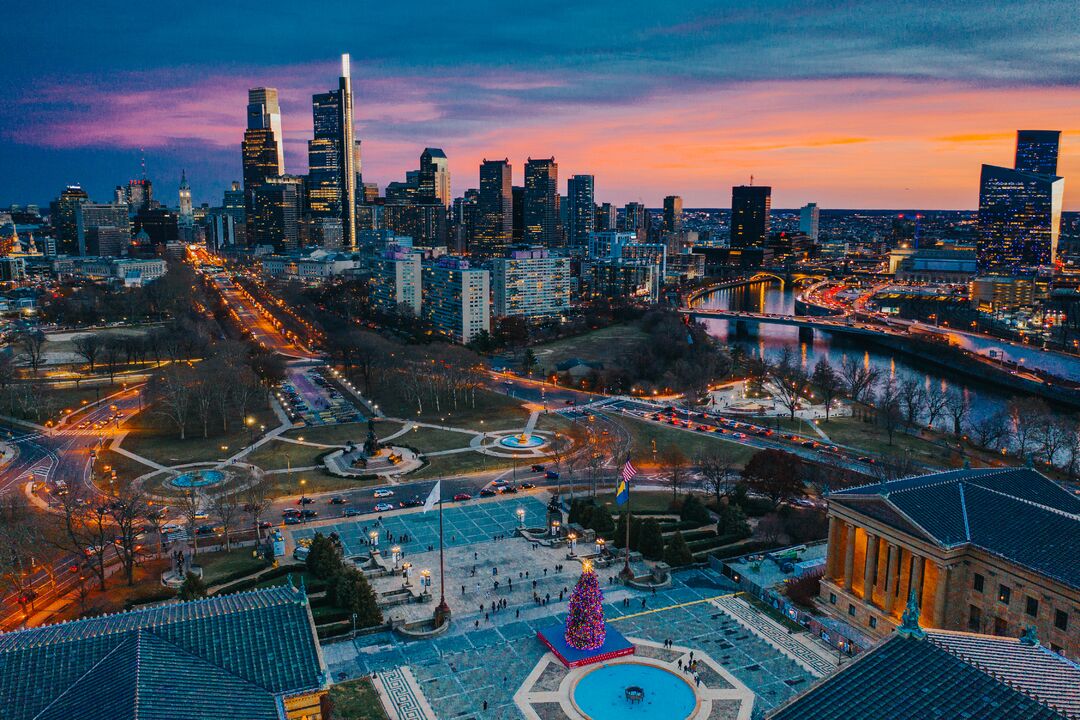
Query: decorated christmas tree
[{"x": 585, "y": 621}]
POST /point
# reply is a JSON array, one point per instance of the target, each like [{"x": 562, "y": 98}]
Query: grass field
[
  {"x": 463, "y": 464},
  {"x": 643, "y": 500},
  {"x": 356, "y": 700},
  {"x": 428, "y": 440},
  {"x": 606, "y": 345},
  {"x": 497, "y": 410},
  {"x": 283, "y": 484},
  {"x": 217, "y": 565},
  {"x": 340, "y": 434},
  {"x": 277, "y": 454},
  {"x": 126, "y": 468},
  {"x": 153, "y": 435},
  {"x": 693, "y": 444},
  {"x": 872, "y": 439}
]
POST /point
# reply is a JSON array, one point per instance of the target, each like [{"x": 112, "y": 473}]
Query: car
[
  {"x": 508, "y": 490},
  {"x": 170, "y": 528},
  {"x": 499, "y": 483},
  {"x": 205, "y": 530},
  {"x": 301, "y": 553},
  {"x": 289, "y": 511},
  {"x": 527, "y": 486},
  {"x": 866, "y": 459},
  {"x": 352, "y": 512},
  {"x": 383, "y": 507},
  {"x": 412, "y": 502},
  {"x": 809, "y": 444},
  {"x": 305, "y": 500},
  {"x": 538, "y": 468},
  {"x": 309, "y": 514},
  {"x": 551, "y": 475},
  {"x": 337, "y": 500},
  {"x": 462, "y": 496},
  {"x": 265, "y": 525},
  {"x": 487, "y": 492},
  {"x": 383, "y": 492},
  {"x": 292, "y": 520}
]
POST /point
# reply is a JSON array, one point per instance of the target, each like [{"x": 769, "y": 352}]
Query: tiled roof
[
  {"x": 1015, "y": 513},
  {"x": 907, "y": 678},
  {"x": 250, "y": 646}
]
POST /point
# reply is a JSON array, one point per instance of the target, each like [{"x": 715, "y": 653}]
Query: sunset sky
[{"x": 868, "y": 104}]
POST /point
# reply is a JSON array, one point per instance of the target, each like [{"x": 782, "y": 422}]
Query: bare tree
[
  {"x": 912, "y": 397},
  {"x": 1026, "y": 414},
  {"x": 172, "y": 389},
  {"x": 87, "y": 347},
  {"x": 677, "y": 468},
  {"x": 32, "y": 348},
  {"x": 790, "y": 382},
  {"x": 226, "y": 506},
  {"x": 128, "y": 508},
  {"x": 718, "y": 475},
  {"x": 936, "y": 400},
  {"x": 20, "y": 546},
  {"x": 257, "y": 500},
  {"x": 1053, "y": 433},
  {"x": 957, "y": 408},
  {"x": 990, "y": 430},
  {"x": 887, "y": 405},
  {"x": 859, "y": 379},
  {"x": 827, "y": 382},
  {"x": 190, "y": 504}
]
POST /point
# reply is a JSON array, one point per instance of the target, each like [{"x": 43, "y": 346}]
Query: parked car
[
  {"x": 337, "y": 500},
  {"x": 527, "y": 486},
  {"x": 509, "y": 490},
  {"x": 383, "y": 507},
  {"x": 487, "y": 492},
  {"x": 538, "y": 468},
  {"x": 301, "y": 553},
  {"x": 462, "y": 496},
  {"x": 309, "y": 514},
  {"x": 353, "y": 512},
  {"x": 383, "y": 492},
  {"x": 551, "y": 475},
  {"x": 305, "y": 500}
]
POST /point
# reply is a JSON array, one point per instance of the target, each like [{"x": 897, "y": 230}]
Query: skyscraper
[
  {"x": 1019, "y": 219},
  {"x": 140, "y": 195},
  {"x": 635, "y": 220},
  {"x": 495, "y": 207},
  {"x": 608, "y": 217},
  {"x": 91, "y": 219},
  {"x": 434, "y": 178},
  {"x": 541, "y": 212},
  {"x": 809, "y": 216},
  {"x": 186, "y": 217},
  {"x": 581, "y": 210},
  {"x": 333, "y": 156},
  {"x": 279, "y": 205},
  {"x": 63, "y": 215},
  {"x": 1037, "y": 151},
  {"x": 264, "y": 113},
  {"x": 673, "y": 216},
  {"x": 262, "y": 147},
  {"x": 750, "y": 207}
]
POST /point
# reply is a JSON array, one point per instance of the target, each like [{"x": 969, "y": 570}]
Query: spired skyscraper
[
  {"x": 263, "y": 155},
  {"x": 1020, "y": 208},
  {"x": 541, "y": 212},
  {"x": 494, "y": 208},
  {"x": 334, "y": 157},
  {"x": 580, "y": 211},
  {"x": 750, "y": 209}
]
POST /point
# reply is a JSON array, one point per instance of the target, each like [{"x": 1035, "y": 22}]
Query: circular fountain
[
  {"x": 197, "y": 479},
  {"x": 521, "y": 441},
  {"x": 617, "y": 691}
]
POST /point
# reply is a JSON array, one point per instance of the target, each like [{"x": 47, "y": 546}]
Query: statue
[
  {"x": 909, "y": 621},
  {"x": 1030, "y": 636},
  {"x": 371, "y": 445}
]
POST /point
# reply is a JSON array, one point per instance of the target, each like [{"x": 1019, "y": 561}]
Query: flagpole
[
  {"x": 442, "y": 611},
  {"x": 627, "y": 574}
]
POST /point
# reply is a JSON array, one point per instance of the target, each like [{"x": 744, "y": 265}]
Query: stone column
[
  {"x": 870, "y": 568},
  {"x": 890, "y": 577},
  {"x": 849, "y": 557},
  {"x": 833, "y": 559},
  {"x": 940, "y": 591},
  {"x": 917, "y": 578}
]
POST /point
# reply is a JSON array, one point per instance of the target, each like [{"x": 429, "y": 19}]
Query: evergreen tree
[
  {"x": 693, "y": 511},
  {"x": 192, "y": 588},
  {"x": 677, "y": 553},
  {"x": 352, "y": 592},
  {"x": 585, "y": 629},
  {"x": 601, "y": 520},
  {"x": 732, "y": 521},
  {"x": 323, "y": 560},
  {"x": 651, "y": 540}
]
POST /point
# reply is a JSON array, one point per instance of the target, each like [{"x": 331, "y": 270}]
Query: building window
[
  {"x": 974, "y": 619},
  {"x": 1004, "y": 594},
  {"x": 1061, "y": 620},
  {"x": 1001, "y": 627},
  {"x": 873, "y": 621},
  {"x": 832, "y": 598},
  {"x": 979, "y": 582},
  {"x": 1031, "y": 606},
  {"x": 851, "y": 610}
]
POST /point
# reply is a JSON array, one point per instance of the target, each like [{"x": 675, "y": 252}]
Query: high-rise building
[
  {"x": 809, "y": 215},
  {"x": 531, "y": 283},
  {"x": 580, "y": 210},
  {"x": 750, "y": 208},
  {"x": 264, "y": 113},
  {"x": 673, "y": 214},
  {"x": 457, "y": 298},
  {"x": 396, "y": 280},
  {"x": 518, "y": 224},
  {"x": 1019, "y": 219},
  {"x": 1037, "y": 151},
  {"x": 279, "y": 205},
  {"x": 434, "y": 178},
  {"x": 334, "y": 156},
  {"x": 186, "y": 215},
  {"x": 608, "y": 217},
  {"x": 635, "y": 219},
  {"x": 140, "y": 195},
  {"x": 232, "y": 202},
  {"x": 541, "y": 211},
  {"x": 263, "y": 156},
  {"x": 495, "y": 208},
  {"x": 220, "y": 230},
  {"x": 63, "y": 213},
  {"x": 92, "y": 217}
]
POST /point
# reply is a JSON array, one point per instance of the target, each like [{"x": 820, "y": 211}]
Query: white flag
[{"x": 433, "y": 496}]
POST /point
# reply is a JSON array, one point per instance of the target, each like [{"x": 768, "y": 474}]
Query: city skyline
[{"x": 874, "y": 109}]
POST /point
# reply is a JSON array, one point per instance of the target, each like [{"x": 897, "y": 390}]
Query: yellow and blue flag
[{"x": 622, "y": 491}]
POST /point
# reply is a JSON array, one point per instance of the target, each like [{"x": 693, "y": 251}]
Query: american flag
[{"x": 628, "y": 471}]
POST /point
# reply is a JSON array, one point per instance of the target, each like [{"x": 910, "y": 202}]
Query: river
[{"x": 772, "y": 297}]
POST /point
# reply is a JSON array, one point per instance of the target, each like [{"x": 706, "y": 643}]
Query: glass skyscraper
[
  {"x": 1037, "y": 151},
  {"x": 263, "y": 157},
  {"x": 434, "y": 178},
  {"x": 750, "y": 209},
  {"x": 581, "y": 210},
  {"x": 495, "y": 208},
  {"x": 541, "y": 212},
  {"x": 333, "y": 156}
]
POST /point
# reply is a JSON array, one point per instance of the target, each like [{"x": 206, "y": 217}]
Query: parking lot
[{"x": 308, "y": 396}]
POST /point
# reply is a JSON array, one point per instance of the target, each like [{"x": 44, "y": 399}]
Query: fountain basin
[
  {"x": 522, "y": 442},
  {"x": 602, "y": 693},
  {"x": 198, "y": 479}
]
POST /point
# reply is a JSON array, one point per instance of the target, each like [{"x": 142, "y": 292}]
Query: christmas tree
[{"x": 585, "y": 621}]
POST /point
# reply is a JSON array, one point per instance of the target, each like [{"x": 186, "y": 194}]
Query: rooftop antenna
[
  {"x": 142, "y": 161},
  {"x": 751, "y": 181}
]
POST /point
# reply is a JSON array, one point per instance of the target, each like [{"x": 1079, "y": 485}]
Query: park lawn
[
  {"x": 153, "y": 435},
  {"x": 872, "y": 439},
  {"x": 340, "y": 434},
  {"x": 497, "y": 410},
  {"x": 217, "y": 565},
  {"x": 126, "y": 468},
  {"x": 316, "y": 481},
  {"x": 692, "y": 443},
  {"x": 277, "y": 455},
  {"x": 357, "y": 700},
  {"x": 643, "y": 500},
  {"x": 464, "y": 463},
  {"x": 429, "y": 440},
  {"x": 606, "y": 345}
]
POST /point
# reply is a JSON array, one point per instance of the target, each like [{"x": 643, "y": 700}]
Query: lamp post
[
  {"x": 405, "y": 568},
  {"x": 374, "y": 536},
  {"x": 571, "y": 538},
  {"x": 425, "y": 580},
  {"x": 521, "y": 517},
  {"x": 395, "y": 555}
]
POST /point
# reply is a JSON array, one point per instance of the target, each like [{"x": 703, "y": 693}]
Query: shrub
[
  {"x": 677, "y": 553},
  {"x": 693, "y": 510},
  {"x": 193, "y": 588},
  {"x": 802, "y": 590}
]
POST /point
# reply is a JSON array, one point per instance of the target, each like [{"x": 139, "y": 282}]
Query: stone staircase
[{"x": 801, "y": 648}]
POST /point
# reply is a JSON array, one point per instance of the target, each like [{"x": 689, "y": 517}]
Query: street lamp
[
  {"x": 374, "y": 535},
  {"x": 395, "y": 553},
  {"x": 572, "y": 538},
  {"x": 425, "y": 580},
  {"x": 521, "y": 517}
]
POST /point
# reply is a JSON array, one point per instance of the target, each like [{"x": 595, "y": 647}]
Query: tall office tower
[
  {"x": 541, "y": 207},
  {"x": 232, "y": 202},
  {"x": 264, "y": 113},
  {"x": 673, "y": 216},
  {"x": 1037, "y": 151},
  {"x": 63, "y": 216},
  {"x": 518, "y": 223},
  {"x": 262, "y": 148},
  {"x": 334, "y": 156},
  {"x": 635, "y": 219},
  {"x": 434, "y": 179},
  {"x": 463, "y": 220},
  {"x": 809, "y": 215},
  {"x": 607, "y": 218},
  {"x": 495, "y": 208},
  {"x": 457, "y": 298},
  {"x": 580, "y": 210},
  {"x": 119, "y": 195},
  {"x": 530, "y": 283},
  {"x": 90, "y": 217},
  {"x": 1019, "y": 219},
  {"x": 750, "y": 207},
  {"x": 140, "y": 195},
  {"x": 279, "y": 205},
  {"x": 220, "y": 230}
]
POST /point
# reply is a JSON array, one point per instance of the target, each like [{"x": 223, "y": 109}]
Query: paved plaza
[{"x": 488, "y": 656}]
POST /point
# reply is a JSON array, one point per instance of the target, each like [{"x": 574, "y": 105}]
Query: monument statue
[{"x": 371, "y": 445}]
